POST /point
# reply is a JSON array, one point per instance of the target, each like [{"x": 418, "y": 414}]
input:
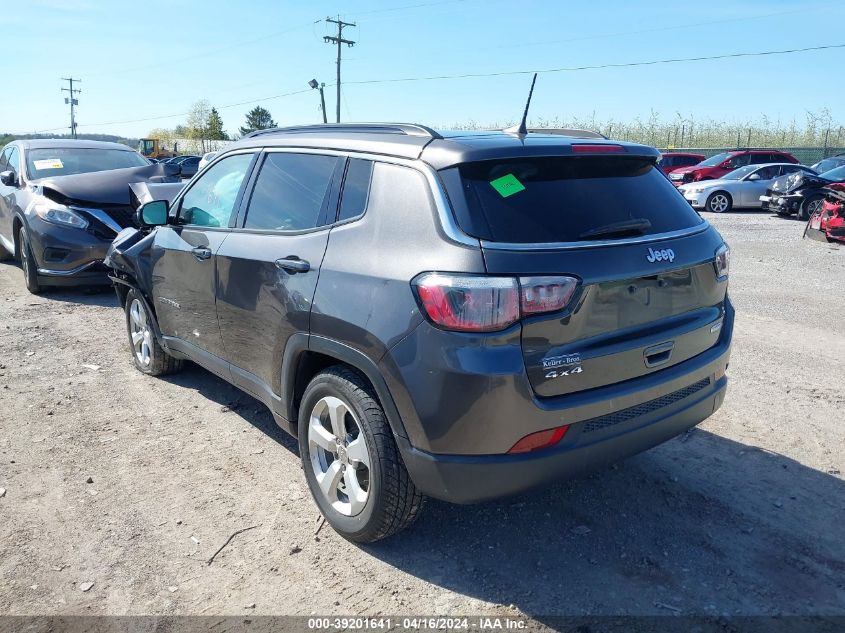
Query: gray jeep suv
[{"x": 457, "y": 315}]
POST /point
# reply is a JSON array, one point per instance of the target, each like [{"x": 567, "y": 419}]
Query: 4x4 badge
[
  {"x": 664, "y": 254},
  {"x": 559, "y": 366}
]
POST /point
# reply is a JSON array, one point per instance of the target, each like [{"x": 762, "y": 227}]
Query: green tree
[
  {"x": 197, "y": 123},
  {"x": 215, "y": 126},
  {"x": 257, "y": 119}
]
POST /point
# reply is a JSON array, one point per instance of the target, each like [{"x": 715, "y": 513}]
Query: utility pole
[
  {"x": 338, "y": 40},
  {"x": 73, "y": 101}
]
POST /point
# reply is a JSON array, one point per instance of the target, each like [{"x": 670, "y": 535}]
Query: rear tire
[
  {"x": 28, "y": 263},
  {"x": 351, "y": 461},
  {"x": 809, "y": 207},
  {"x": 147, "y": 355},
  {"x": 719, "y": 202}
]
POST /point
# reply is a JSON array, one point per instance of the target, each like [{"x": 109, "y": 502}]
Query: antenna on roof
[{"x": 522, "y": 128}]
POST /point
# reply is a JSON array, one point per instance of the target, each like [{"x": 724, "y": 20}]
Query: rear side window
[
  {"x": 542, "y": 200},
  {"x": 290, "y": 192},
  {"x": 356, "y": 188}
]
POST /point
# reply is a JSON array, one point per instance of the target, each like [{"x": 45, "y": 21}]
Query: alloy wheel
[
  {"x": 339, "y": 456},
  {"x": 139, "y": 330},
  {"x": 813, "y": 207},
  {"x": 719, "y": 203}
]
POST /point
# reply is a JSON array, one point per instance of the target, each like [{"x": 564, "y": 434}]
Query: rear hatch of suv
[{"x": 650, "y": 288}]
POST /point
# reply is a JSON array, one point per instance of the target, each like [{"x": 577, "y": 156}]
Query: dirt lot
[{"x": 132, "y": 483}]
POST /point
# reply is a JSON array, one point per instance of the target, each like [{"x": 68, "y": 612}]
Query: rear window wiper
[{"x": 636, "y": 226}]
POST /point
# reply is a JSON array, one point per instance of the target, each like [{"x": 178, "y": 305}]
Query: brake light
[
  {"x": 540, "y": 439},
  {"x": 468, "y": 303},
  {"x": 479, "y": 303},
  {"x": 596, "y": 148}
]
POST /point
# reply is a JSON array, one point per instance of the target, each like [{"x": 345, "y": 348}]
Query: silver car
[{"x": 740, "y": 188}]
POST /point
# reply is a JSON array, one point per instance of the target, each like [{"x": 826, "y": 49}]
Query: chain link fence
[{"x": 806, "y": 155}]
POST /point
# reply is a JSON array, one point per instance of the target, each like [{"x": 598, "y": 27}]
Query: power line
[
  {"x": 328, "y": 39},
  {"x": 495, "y": 74},
  {"x": 601, "y": 66},
  {"x": 595, "y": 36}
]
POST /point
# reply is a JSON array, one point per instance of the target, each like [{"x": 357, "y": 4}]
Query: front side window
[
  {"x": 767, "y": 173},
  {"x": 290, "y": 192},
  {"x": 739, "y": 161},
  {"x": 15, "y": 162},
  {"x": 211, "y": 200}
]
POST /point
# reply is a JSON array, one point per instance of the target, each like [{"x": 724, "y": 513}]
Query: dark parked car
[
  {"x": 458, "y": 315},
  {"x": 63, "y": 201},
  {"x": 826, "y": 164},
  {"x": 724, "y": 163},
  {"x": 801, "y": 193},
  {"x": 670, "y": 161}
]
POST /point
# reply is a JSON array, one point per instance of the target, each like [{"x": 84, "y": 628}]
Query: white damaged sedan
[{"x": 740, "y": 188}]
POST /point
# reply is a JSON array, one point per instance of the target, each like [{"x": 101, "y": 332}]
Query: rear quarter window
[{"x": 546, "y": 200}]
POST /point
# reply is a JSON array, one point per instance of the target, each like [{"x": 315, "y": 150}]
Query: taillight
[
  {"x": 723, "y": 262},
  {"x": 545, "y": 294},
  {"x": 478, "y": 303},
  {"x": 540, "y": 439},
  {"x": 596, "y": 148},
  {"x": 468, "y": 303}
]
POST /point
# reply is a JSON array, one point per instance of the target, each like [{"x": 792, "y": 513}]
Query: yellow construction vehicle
[{"x": 154, "y": 148}]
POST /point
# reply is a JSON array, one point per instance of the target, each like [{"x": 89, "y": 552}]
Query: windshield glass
[
  {"x": 65, "y": 161},
  {"x": 737, "y": 174},
  {"x": 561, "y": 199},
  {"x": 146, "y": 146},
  {"x": 714, "y": 160},
  {"x": 827, "y": 164},
  {"x": 835, "y": 174}
]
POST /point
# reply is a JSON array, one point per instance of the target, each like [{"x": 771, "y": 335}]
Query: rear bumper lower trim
[{"x": 475, "y": 478}]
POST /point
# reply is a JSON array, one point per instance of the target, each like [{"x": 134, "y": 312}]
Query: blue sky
[{"x": 145, "y": 60}]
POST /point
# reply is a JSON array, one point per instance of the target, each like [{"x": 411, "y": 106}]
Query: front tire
[
  {"x": 719, "y": 202},
  {"x": 28, "y": 263},
  {"x": 351, "y": 462},
  {"x": 810, "y": 207},
  {"x": 147, "y": 355}
]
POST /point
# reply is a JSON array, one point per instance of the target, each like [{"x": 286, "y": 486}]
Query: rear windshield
[{"x": 565, "y": 199}]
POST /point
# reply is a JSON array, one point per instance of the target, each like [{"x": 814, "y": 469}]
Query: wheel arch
[{"x": 307, "y": 355}]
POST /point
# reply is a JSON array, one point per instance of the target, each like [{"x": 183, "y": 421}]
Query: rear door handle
[
  {"x": 293, "y": 264},
  {"x": 201, "y": 252}
]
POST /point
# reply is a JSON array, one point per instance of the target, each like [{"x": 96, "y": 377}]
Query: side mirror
[
  {"x": 755, "y": 176},
  {"x": 153, "y": 213},
  {"x": 9, "y": 178}
]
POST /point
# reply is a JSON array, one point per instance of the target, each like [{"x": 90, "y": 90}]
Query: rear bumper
[
  {"x": 473, "y": 478},
  {"x": 624, "y": 420}
]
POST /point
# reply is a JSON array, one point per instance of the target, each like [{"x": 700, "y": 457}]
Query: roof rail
[
  {"x": 409, "y": 129},
  {"x": 576, "y": 133}
]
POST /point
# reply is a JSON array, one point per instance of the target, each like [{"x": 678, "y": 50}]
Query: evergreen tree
[
  {"x": 257, "y": 119},
  {"x": 215, "y": 126}
]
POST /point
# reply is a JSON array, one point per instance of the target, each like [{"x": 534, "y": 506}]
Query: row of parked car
[
  {"x": 433, "y": 314},
  {"x": 755, "y": 179}
]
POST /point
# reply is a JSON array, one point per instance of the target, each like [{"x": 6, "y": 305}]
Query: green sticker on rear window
[{"x": 507, "y": 185}]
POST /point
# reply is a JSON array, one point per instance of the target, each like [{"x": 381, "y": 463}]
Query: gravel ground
[{"x": 119, "y": 487}]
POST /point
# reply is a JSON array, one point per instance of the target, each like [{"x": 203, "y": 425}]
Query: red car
[
  {"x": 720, "y": 164},
  {"x": 670, "y": 161},
  {"x": 828, "y": 224}
]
